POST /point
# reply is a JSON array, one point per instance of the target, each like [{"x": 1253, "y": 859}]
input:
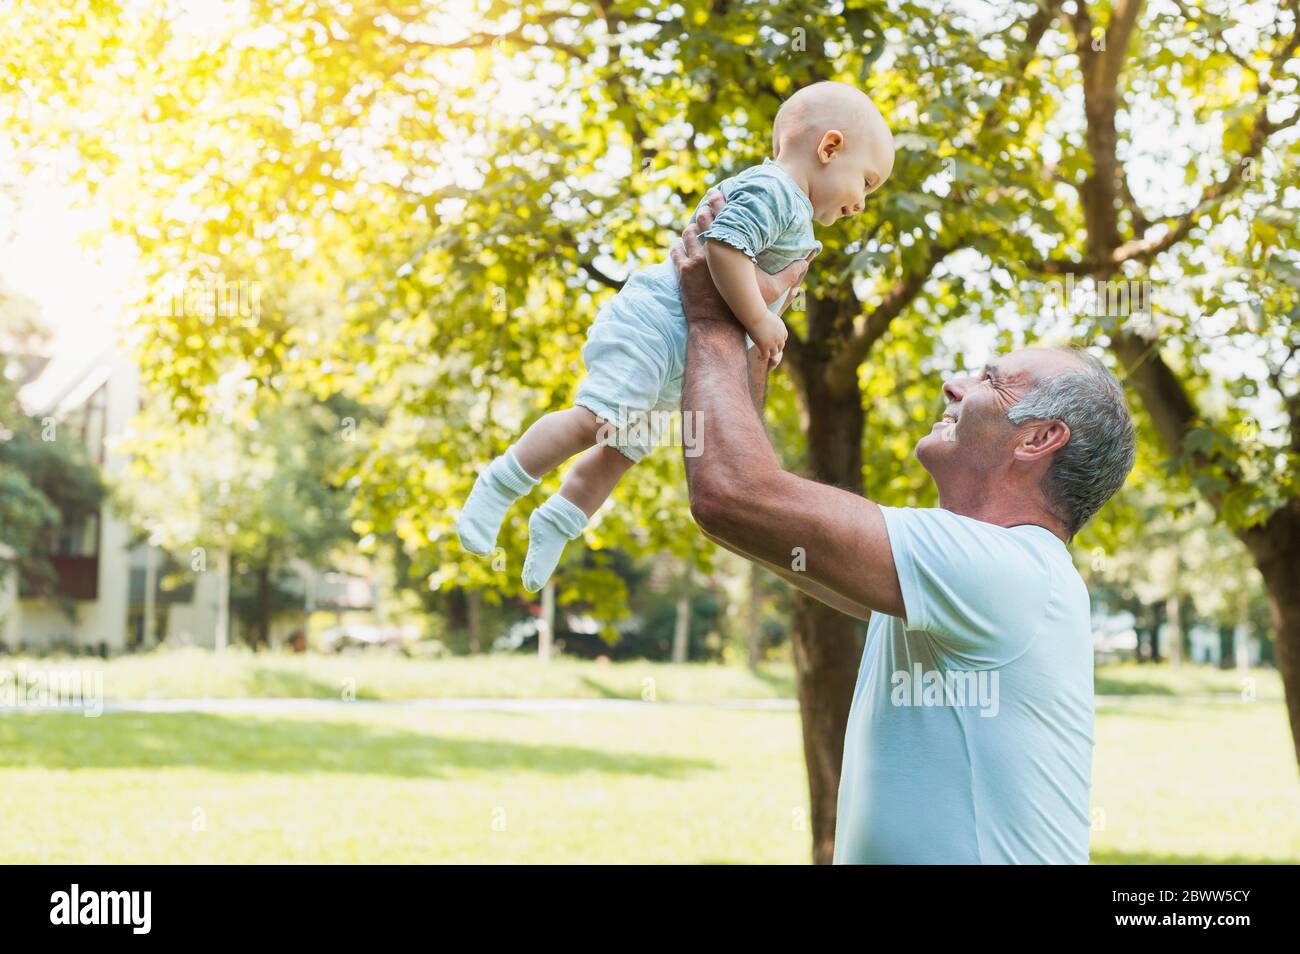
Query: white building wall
[
  {"x": 195, "y": 623},
  {"x": 10, "y": 614},
  {"x": 39, "y": 623}
]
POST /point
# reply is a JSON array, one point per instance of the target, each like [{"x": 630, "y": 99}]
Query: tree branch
[
  {"x": 1193, "y": 15},
  {"x": 516, "y": 38},
  {"x": 1035, "y": 26},
  {"x": 597, "y": 275},
  {"x": 1141, "y": 223},
  {"x": 1213, "y": 195},
  {"x": 1170, "y": 407},
  {"x": 1177, "y": 227},
  {"x": 1118, "y": 34},
  {"x": 586, "y": 264},
  {"x": 842, "y": 368}
]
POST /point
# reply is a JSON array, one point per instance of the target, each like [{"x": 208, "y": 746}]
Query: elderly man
[{"x": 970, "y": 734}]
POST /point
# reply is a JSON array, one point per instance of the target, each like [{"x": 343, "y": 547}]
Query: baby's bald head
[
  {"x": 827, "y": 105},
  {"x": 834, "y": 121}
]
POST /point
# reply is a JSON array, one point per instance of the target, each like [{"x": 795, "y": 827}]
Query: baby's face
[{"x": 839, "y": 184}]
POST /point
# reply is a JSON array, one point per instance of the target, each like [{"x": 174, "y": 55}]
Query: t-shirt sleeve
[
  {"x": 979, "y": 591},
  {"x": 756, "y": 213}
]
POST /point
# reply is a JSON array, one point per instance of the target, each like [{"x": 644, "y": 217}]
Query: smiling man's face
[{"x": 975, "y": 437}]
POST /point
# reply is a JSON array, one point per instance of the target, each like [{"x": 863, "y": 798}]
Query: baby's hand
[{"x": 769, "y": 337}]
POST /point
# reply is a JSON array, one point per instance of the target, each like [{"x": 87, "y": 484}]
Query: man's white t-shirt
[{"x": 970, "y": 736}]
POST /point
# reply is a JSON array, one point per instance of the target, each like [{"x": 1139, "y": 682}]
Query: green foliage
[
  {"x": 437, "y": 201},
  {"x": 262, "y": 482}
]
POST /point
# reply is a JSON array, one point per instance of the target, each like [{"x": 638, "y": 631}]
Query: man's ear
[
  {"x": 1040, "y": 439},
  {"x": 831, "y": 143}
]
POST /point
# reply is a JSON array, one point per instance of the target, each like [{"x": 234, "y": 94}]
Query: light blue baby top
[
  {"x": 767, "y": 216},
  {"x": 971, "y": 732},
  {"x": 636, "y": 349}
]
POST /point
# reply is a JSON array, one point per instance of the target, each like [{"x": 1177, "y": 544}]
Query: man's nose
[{"x": 954, "y": 389}]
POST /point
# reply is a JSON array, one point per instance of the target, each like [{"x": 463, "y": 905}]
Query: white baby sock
[
  {"x": 551, "y": 526},
  {"x": 501, "y": 484}
]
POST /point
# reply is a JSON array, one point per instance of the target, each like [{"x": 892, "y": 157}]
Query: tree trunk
[
  {"x": 149, "y": 635},
  {"x": 221, "y": 626},
  {"x": 1154, "y": 632},
  {"x": 827, "y": 650},
  {"x": 1174, "y": 615},
  {"x": 682, "y": 624},
  {"x": 1241, "y": 634},
  {"x": 456, "y": 612},
  {"x": 754, "y": 619},
  {"x": 263, "y": 631},
  {"x": 826, "y": 655},
  {"x": 546, "y": 623},
  {"x": 1227, "y": 656},
  {"x": 474, "y": 620},
  {"x": 1275, "y": 545}
]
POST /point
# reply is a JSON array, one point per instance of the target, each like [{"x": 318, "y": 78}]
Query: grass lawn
[
  {"x": 669, "y": 784},
  {"x": 1176, "y": 780},
  {"x": 238, "y": 674},
  {"x": 1182, "y": 781}
]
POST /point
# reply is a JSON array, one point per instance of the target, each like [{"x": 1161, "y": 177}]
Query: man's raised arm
[{"x": 740, "y": 496}]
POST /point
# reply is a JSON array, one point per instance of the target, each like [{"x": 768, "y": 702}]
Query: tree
[
  {"x": 1170, "y": 553},
  {"x": 1198, "y": 63},
  {"x": 264, "y": 487}
]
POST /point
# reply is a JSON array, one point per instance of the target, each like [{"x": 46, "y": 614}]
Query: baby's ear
[{"x": 832, "y": 142}]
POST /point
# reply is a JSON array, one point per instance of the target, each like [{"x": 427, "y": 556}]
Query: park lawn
[
  {"x": 1185, "y": 781},
  {"x": 1175, "y": 780},
  {"x": 1133, "y": 678},
  {"x": 378, "y": 784},
  {"x": 238, "y": 674}
]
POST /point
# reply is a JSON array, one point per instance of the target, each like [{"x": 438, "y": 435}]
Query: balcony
[{"x": 78, "y": 576}]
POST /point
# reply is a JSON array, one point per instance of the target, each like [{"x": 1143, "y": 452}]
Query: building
[{"x": 120, "y": 592}]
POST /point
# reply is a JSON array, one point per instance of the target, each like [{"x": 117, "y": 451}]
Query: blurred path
[{"x": 274, "y": 706}]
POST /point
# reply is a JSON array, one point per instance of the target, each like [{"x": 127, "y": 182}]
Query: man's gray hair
[{"x": 1094, "y": 463}]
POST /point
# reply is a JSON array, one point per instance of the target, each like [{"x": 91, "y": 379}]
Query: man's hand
[{"x": 700, "y": 299}]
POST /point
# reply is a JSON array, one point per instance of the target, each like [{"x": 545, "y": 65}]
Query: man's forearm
[
  {"x": 742, "y": 499},
  {"x": 815, "y": 590},
  {"x": 740, "y": 496},
  {"x": 717, "y": 393}
]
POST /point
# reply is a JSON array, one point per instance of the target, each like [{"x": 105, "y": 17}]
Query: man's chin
[
  {"x": 932, "y": 446},
  {"x": 922, "y": 449}
]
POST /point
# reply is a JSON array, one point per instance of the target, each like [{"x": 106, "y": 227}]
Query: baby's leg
[
  {"x": 555, "y": 438},
  {"x": 556, "y": 522},
  {"x": 593, "y": 478},
  {"x": 548, "y": 443}
]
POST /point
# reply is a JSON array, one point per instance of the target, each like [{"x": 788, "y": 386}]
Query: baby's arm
[{"x": 733, "y": 273}]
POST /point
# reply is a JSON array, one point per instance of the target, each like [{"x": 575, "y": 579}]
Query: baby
[{"x": 831, "y": 149}]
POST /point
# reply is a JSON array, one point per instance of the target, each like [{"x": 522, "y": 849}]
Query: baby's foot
[
  {"x": 550, "y": 528},
  {"x": 501, "y": 484}
]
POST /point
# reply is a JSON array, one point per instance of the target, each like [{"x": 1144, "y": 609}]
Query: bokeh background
[{"x": 277, "y": 279}]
